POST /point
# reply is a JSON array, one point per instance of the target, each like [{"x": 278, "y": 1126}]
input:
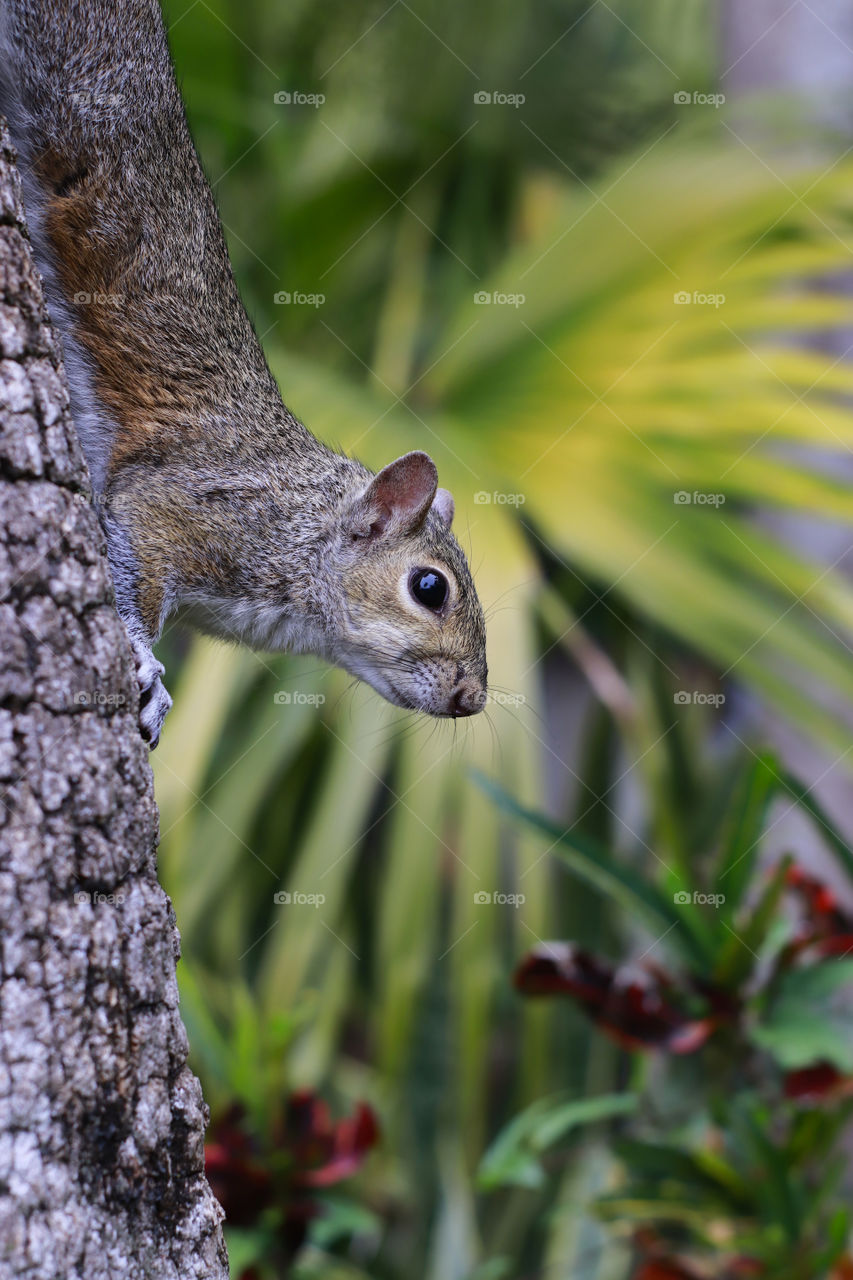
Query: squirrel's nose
[{"x": 466, "y": 699}]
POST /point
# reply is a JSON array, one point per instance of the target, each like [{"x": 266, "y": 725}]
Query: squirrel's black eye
[{"x": 429, "y": 587}]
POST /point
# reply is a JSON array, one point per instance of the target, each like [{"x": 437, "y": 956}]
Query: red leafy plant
[
  {"x": 270, "y": 1183},
  {"x": 750, "y": 1013},
  {"x": 640, "y": 1008},
  {"x": 731, "y": 1157}
]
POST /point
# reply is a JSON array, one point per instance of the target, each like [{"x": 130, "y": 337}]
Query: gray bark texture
[{"x": 101, "y": 1121}]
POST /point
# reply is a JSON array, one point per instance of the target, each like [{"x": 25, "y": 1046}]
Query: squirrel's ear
[
  {"x": 443, "y": 506},
  {"x": 397, "y": 498}
]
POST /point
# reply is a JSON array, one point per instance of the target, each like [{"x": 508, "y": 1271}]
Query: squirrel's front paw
[{"x": 154, "y": 701}]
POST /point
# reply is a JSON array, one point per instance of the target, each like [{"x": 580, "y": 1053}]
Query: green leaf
[
  {"x": 806, "y": 1022},
  {"x": 558, "y": 1122},
  {"x": 658, "y": 1161},
  {"x": 631, "y": 889},
  {"x": 494, "y": 1269},
  {"x": 758, "y": 785},
  {"x": 245, "y": 1247},
  {"x": 511, "y": 1160},
  {"x": 833, "y": 838},
  {"x": 508, "y": 1162},
  {"x": 744, "y": 943},
  {"x": 341, "y": 1219},
  {"x": 775, "y": 1186}
]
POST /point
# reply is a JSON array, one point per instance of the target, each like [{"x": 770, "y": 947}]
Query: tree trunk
[{"x": 101, "y": 1122}]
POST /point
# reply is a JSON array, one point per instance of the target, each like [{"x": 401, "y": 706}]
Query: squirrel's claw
[{"x": 154, "y": 700}]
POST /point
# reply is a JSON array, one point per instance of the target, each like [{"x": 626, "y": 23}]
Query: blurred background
[{"x": 562, "y": 991}]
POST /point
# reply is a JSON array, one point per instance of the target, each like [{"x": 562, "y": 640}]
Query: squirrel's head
[{"x": 408, "y": 618}]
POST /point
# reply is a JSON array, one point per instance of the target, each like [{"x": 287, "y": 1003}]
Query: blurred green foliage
[
  {"x": 732, "y": 1158},
  {"x": 581, "y": 413}
]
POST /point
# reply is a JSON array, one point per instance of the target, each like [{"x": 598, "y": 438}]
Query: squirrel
[{"x": 214, "y": 499}]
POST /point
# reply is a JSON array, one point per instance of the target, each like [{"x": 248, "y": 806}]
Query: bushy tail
[
  {"x": 81, "y": 78},
  {"x": 113, "y": 190}
]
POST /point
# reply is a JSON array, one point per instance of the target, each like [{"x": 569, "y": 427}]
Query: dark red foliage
[
  {"x": 306, "y": 1150},
  {"x": 827, "y": 927},
  {"x": 667, "y": 1267},
  {"x": 645, "y": 1008},
  {"x": 663, "y": 1270},
  {"x": 825, "y": 932},
  {"x": 819, "y": 900},
  {"x": 746, "y": 1267},
  {"x": 656, "y": 1262},
  {"x": 235, "y": 1170},
  {"x": 639, "y": 1009},
  {"x": 326, "y": 1153},
  {"x": 821, "y": 1082}
]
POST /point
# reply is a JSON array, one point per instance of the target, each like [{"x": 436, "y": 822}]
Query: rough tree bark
[{"x": 101, "y": 1122}]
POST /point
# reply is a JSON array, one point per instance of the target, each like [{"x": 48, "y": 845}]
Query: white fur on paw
[{"x": 154, "y": 700}]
